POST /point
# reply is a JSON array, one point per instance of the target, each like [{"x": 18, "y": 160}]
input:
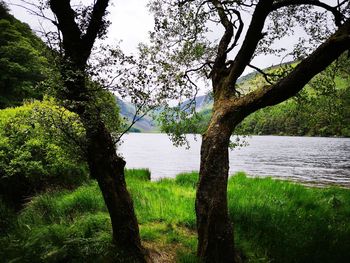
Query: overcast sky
[{"x": 131, "y": 21}]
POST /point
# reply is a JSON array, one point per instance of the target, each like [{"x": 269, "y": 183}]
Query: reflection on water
[{"x": 306, "y": 159}]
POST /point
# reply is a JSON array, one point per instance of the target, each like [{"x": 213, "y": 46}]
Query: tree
[
  {"x": 78, "y": 30},
  {"x": 182, "y": 30}
]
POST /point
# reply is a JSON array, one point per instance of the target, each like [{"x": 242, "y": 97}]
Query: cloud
[
  {"x": 130, "y": 19},
  {"x": 131, "y": 23}
]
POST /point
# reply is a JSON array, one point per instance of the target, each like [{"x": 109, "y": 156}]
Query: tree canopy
[
  {"x": 22, "y": 61},
  {"x": 189, "y": 53},
  {"x": 320, "y": 109}
]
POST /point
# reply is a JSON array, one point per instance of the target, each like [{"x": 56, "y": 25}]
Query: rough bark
[
  {"x": 104, "y": 164},
  {"x": 215, "y": 230},
  {"x": 108, "y": 169}
]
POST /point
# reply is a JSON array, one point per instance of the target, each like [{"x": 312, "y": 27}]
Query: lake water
[{"x": 315, "y": 160}]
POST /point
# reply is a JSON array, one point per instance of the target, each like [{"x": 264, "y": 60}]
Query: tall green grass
[
  {"x": 140, "y": 174},
  {"x": 287, "y": 222},
  {"x": 275, "y": 221}
]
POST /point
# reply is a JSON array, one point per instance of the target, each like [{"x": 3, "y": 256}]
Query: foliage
[
  {"x": 39, "y": 148},
  {"x": 22, "y": 62},
  {"x": 321, "y": 109},
  {"x": 7, "y": 218},
  {"x": 107, "y": 106},
  {"x": 320, "y": 116},
  {"x": 275, "y": 221},
  {"x": 176, "y": 122}
]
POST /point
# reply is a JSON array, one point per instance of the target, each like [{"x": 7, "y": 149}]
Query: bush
[{"x": 37, "y": 150}]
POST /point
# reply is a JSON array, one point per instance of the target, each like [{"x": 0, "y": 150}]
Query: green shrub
[{"x": 38, "y": 150}]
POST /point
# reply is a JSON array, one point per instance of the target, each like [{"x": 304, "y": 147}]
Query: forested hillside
[
  {"x": 322, "y": 109},
  {"x": 41, "y": 143},
  {"x": 22, "y": 61},
  {"x": 127, "y": 112},
  {"x": 24, "y": 65}
]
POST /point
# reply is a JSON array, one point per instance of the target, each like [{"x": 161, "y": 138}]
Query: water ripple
[{"x": 320, "y": 161}]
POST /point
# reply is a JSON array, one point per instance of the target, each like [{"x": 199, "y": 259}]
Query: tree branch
[
  {"x": 73, "y": 38},
  {"x": 290, "y": 85},
  {"x": 135, "y": 119},
  {"x": 67, "y": 25},
  {"x": 239, "y": 31},
  {"x": 96, "y": 20},
  {"x": 265, "y": 75},
  {"x": 34, "y": 12},
  {"x": 226, "y": 38},
  {"x": 338, "y": 16},
  {"x": 253, "y": 36}
]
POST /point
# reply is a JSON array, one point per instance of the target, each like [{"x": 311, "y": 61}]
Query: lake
[{"x": 310, "y": 160}]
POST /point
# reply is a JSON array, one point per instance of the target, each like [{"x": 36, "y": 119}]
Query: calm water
[{"x": 309, "y": 160}]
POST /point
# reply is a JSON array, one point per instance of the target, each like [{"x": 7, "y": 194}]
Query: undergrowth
[{"x": 274, "y": 221}]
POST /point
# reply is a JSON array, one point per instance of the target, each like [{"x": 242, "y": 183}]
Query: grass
[
  {"x": 140, "y": 174},
  {"x": 275, "y": 221},
  {"x": 289, "y": 222}
]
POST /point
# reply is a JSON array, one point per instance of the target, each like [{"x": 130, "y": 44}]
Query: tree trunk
[
  {"x": 215, "y": 231},
  {"x": 108, "y": 169},
  {"x": 104, "y": 164}
]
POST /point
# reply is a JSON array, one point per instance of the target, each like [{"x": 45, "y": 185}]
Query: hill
[
  {"x": 205, "y": 102},
  {"x": 128, "y": 110},
  {"x": 22, "y": 63},
  {"x": 322, "y": 108}
]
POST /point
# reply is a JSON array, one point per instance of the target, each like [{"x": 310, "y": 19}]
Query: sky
[{"x": 131, "y": 23}]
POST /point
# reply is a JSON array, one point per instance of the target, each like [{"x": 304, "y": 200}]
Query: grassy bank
[{"x": 275, "y": 221}]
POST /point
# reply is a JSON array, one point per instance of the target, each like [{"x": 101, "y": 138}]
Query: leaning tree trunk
[
  {"x": 215, "y": 231},
  {"x": 104, "y": 164},
  {"x": 108, "y": 169}
]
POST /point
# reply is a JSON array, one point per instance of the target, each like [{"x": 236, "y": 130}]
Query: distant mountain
[
  {"x": 201, "y": 102},
  {"x": 205, "y": 102},
  {"x": 203, "y": 105},
  {"x": 128, "y": 110}
]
